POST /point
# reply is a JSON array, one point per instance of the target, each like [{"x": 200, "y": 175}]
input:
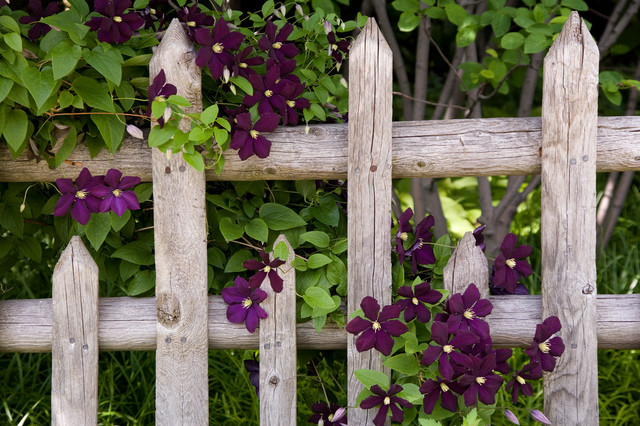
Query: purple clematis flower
[
  {"x": 242, "y": 63},
  {"x": 244, "y": 304},
  {"x": 247, "y": 137},
  {"x": 377, "y": 327},
  {"x": 402, "y": 235},
  {"x": 253, "y": 367},
  {"x": 518, "y": 384},
  {"x": 159, "y": 91},
  {"x": 116, "y": 194},
  {"x": 465, "y": 310},
  {"x": 414, "y": 299},
  {"x": 152, "y": 14},
  {"x": 275, "y": 44},
  {"x": 477, "y": 234},
  {"x": 265, "y": 268},
  {"x": 215, "y": 51},
  {"x": 81, "y": 196},
  {"x": 337, "y": 47},
  {"x": 265, "y": 90},
  {"x": 545, "y": 349},
  {"x": 481, "y": 382},
  {"x": 443, "y": 390},
  {"x": 447, "y": 351},
  {"x": 194, "y": 19},
  {"x": 386, "y": 400},
  {"x": 420, "y": 252},
  {"x": 290, "y": 94},
  {"x": 328, "y": 415},
  {"x": 510, "y": 265},
  {"x": 115, "y": 26},
  {"x": 38, "y": 12}
]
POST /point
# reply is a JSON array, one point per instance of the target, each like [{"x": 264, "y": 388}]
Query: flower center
[
  {"x": 404, "y": 236},
  {"x": 480, "y": 380},
  {"x": 376, "y": 326},
  {"x": 254, "y": 134},
  {"x": 447, "y": 348},
  {"x": 243, "y": 65},
  {"x": 291, "y": 104},
  {"x": 118, "y": 19},
  {"x": 276, "y": 45},
  {"x": 82, "y": 194},
  {"x": 415, "y": 301},
  {"x": 511, "y": 263},
  {"x": 387, "y": 400},
  {"x": 159, "y": 98},
  {"x": 246, "y": 303},
  {"x": 152, "y": 11},
  {"x": 544, "y": 346},
  {"x": 268, "y": 93},
  {"x": 267, "y": 268},
  {"x": 117, "y": 192},
  {"x": 330, "y": 417},
  {"x": 469, "y": 314},
  {"x": 334, "y": 47},
  {"x": 444, "y": 387},
  {"x": 520, "y": 380},
  {"x": 217, "y": 48},
  {"x": 191, "y": 23},
  {"x": 420, "y": 244}
]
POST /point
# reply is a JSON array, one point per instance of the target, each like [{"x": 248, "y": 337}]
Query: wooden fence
[{"x": 567, "y": 146}]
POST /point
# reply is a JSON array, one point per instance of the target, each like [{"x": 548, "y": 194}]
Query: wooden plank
[
  {"x": 278, "y": 348},
  {"x": 442, "y": 148},
  {"x": 369, "y": 206},
  {"x": 129, "y": 324},
  {"x": 468, "y": 264},
  {"x": 180, "y": 230},
  {"x": 569, "y": 114},
  {"x": 74, "y": 338}
]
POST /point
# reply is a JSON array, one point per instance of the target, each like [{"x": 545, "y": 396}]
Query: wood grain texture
[
  {"x": 129, "y": 324},
  {"x": 441, "y": 148},
  {"x": 74, "y": 338},
  {"x": 278, "y": 348},
  {"x": 467, "y": 264},
  {"x": 180, "y": 231},
  {"x": 568, "y": 224},
  {"x": 369, "y": 207}
]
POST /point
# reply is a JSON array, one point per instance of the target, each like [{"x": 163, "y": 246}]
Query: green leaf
[
  {"x": 319, "y": 322},
  {"x": 535, "y": 43},
  {"x": 455, "y": 13},
  {"x": 318, "y": 297},
  {"x": 500, "y": 24},
  {"x": 137, "y": 252},
  {"x": 442, "y": 247},
  {"x": 279, "y": 217},
  {"x": 575, "y": 5},
  {"x": 14, "y": 41},
  {"x": 403, "y": 363},
  {"x": 408, "y": 21},
  {"x": 118, "y": 222},
  {"x": 159, "y": 135},
  {"x": 326, "y": 212},
  {"x": 281, "y": 251},
  {"x": 71, "y": 22},
  {"x": 9, "y": 23},
  {"x": 267, "y": 8},
  {"x": 411, "y": 392},
  {"x": 318, "y": 260},
  {"x": 229, "y": 229},
  {"x": 5, "y": 87},
  {"x": 372, "y": 377},
  {"x": 466, "y": 36},
  {"x": 317, "y": 238},
  {"x": 406, "y": 5},
  {"x": 93, "y": 93},
  {"x": 15, "y": 128},
  {"x": 195, "y": 160},
  {"x": 98, "y": 228},
  {"x": 107, "y": 61},
  {"x": 215, "y": 257},
  {"x": 111, "y": 129},
  {"x": 68, "y": 145},
  {"x": 40, "y": 83},
  {"x": 242, "y": 83},
  {"x": 337, "y": 272},
  {"x": 257, "y": 229},
  {"x": 512, "y": 41},
  {"x": 142, "y": 282},
  {"x": 236, "y": 260},
  {"x": 306, "y": 188},
  {"x": 30, "y": 247},
  {"x": 127, "y": 269},
  {"x": 210, "y": 114}
]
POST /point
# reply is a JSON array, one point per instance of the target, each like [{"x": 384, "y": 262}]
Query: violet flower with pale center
[
  {"x": 414, "y": 299},
  {"x": 242, "y": 63},
  {"x": 159, "y": 91},
  {"x": 266, "y": 268},
  {"x": 466, "y": 310},
  {"x": 115, "y": 26},
  {"x": 377, "y": 327},
  {"x": 545, "y": 349},
  {"x": 244, "y": 304},
  {"x": 402, "y": 235},
  {"x": 443, "y": 390},
  {"x": 479, "y": 236},
  {"x": 290, "y": 94},
  {"x": 117, "y": 196},
  {"x": 480, "y": 380},
  {"x": 193, "y": 19},
  {"x": 329, "y": 415},
  {"x": 216, "y": 46},
  {"x": 265, "y": 90},
  {"x": 518, "y": 384},
  {"x": 337, "y": 47},
  {"x": 510, "y": 265},
  {"x": 448, "y": 349},
  {"x": 38, "y": 12},
  {"x": 81, "y": 195},
  {"x": 386, "y": 401},
  {"x": 275, "y": 44},
  {"x": 247, "y": 137}
]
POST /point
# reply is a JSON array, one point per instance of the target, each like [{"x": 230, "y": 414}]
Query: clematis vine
[
  {"x": 117, "y": 193},
  {"x": 328, "y": 415},
  {"x": 413, "y": 300},
  {"x": 38, "y": 12},
  {"x": 244, "y": 304},
  {"x": 115, "y": 26},
  {"x": 79, "y": 197},
  {"x": 274, "y": 42},
  {"x": 387, "y": 401},
  {"x": 266, "y": 268},
  {"x": 544, "y": 349},
  {"x": 510, "y": 265},
  {"x": 215, "y": 52},
  {"x": 247, "y": 137},
  {"x": 159, "y": 90}
]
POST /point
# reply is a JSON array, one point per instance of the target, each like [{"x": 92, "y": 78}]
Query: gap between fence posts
[
  {"x": 278, "y": 348},
  {"x": 369, "y": 206},
  {"x": 74, "y": 314},
  {"x": 568, "y": 225},
  {"x": 180, "y": 232}
]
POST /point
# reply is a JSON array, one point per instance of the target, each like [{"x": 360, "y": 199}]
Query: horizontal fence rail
[
  {"x": 129, "y": 324},
  {"x": 444, "y": 148}
]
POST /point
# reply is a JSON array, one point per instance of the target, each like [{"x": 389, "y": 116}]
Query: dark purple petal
[
  {"x": 80, "y": 213},
  {"x": 383, "y": 342},
  {"x": 556, "y": 346},
  {"x": 276, "y": 281},
  {"x": 508, "y": 244},
  {"x": 482, "y": 308},
  {"x": 358, "y": 325},
  {"x": 380, "y": 418},
  {"x": 64, "y": 204},
  {"x": 131, "y": 200},
  {"x": 252, "y": 265},
  {"x": 262, "y": 146},
  {"x": 430, "y": 355},
  {"x": 394, "y": 327},
  {"x": 370, "y": 307},
  {"x": 236, "y": 313},
  {"x": 371, "y": 401},
  {"x": 256, "y": 280},
  {"x": 252, "y": 319},
  {"x": 389, "y": 312},
  {"x": 366, "y": 341},
  {"x": 258, "y": 295}
]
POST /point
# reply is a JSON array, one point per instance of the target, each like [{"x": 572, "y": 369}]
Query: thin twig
[{"x": 428, "y": 102}]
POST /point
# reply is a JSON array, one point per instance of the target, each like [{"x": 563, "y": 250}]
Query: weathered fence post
[
  {"x": 569, "y": 125},
  {"x": 278, "y": 346},
  {"x": 369, "y": 207},
  {"x": 74, "y": 346},
  {"x": 180, "y": 231},
  {"x": 468, "y": 264}
]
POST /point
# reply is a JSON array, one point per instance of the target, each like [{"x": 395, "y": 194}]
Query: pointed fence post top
[
  {"x": 77, "y": 253},
  {"x": 468, "y": 264},
  {"x": 574, "y": 33},
  {"x": 370, "y": 33}
]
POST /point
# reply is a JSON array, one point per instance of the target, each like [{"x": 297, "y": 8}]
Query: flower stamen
[
  {"x": 387, "y": 400},
  {"x": 118, "y": 19},
  {"x": 246, "y": 303},
  {"x": 545, "y": 347},
  {"x": 376, "y": 326},
  {"x": 82, "y": 194},
  {"x": 511, "y": 263},
  {"x": 480, "y": 380},
  {"x": 447, "y": 348},
  {"x": 217, "y": 48}
]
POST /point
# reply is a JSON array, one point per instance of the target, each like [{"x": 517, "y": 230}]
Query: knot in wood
[
  {"x": 168, "y": 310},
  {"x": 274, "y": 380}
]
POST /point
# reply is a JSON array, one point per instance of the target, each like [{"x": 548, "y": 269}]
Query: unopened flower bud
[
  {"x": 344, "y": 82},
  {"x": 299, "y": 9},
  {"x": 232, "y": 88},
  {"x": 168, "y": 154},
  {"x": 134, "y": 131},
  {"x": 327, "y": 27},
  {"x": 22, "y": 207},
  {"x": 226, "y": 74},
  {"x": 283, "y": 10},
  {"x": 167, "y": 114}
]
